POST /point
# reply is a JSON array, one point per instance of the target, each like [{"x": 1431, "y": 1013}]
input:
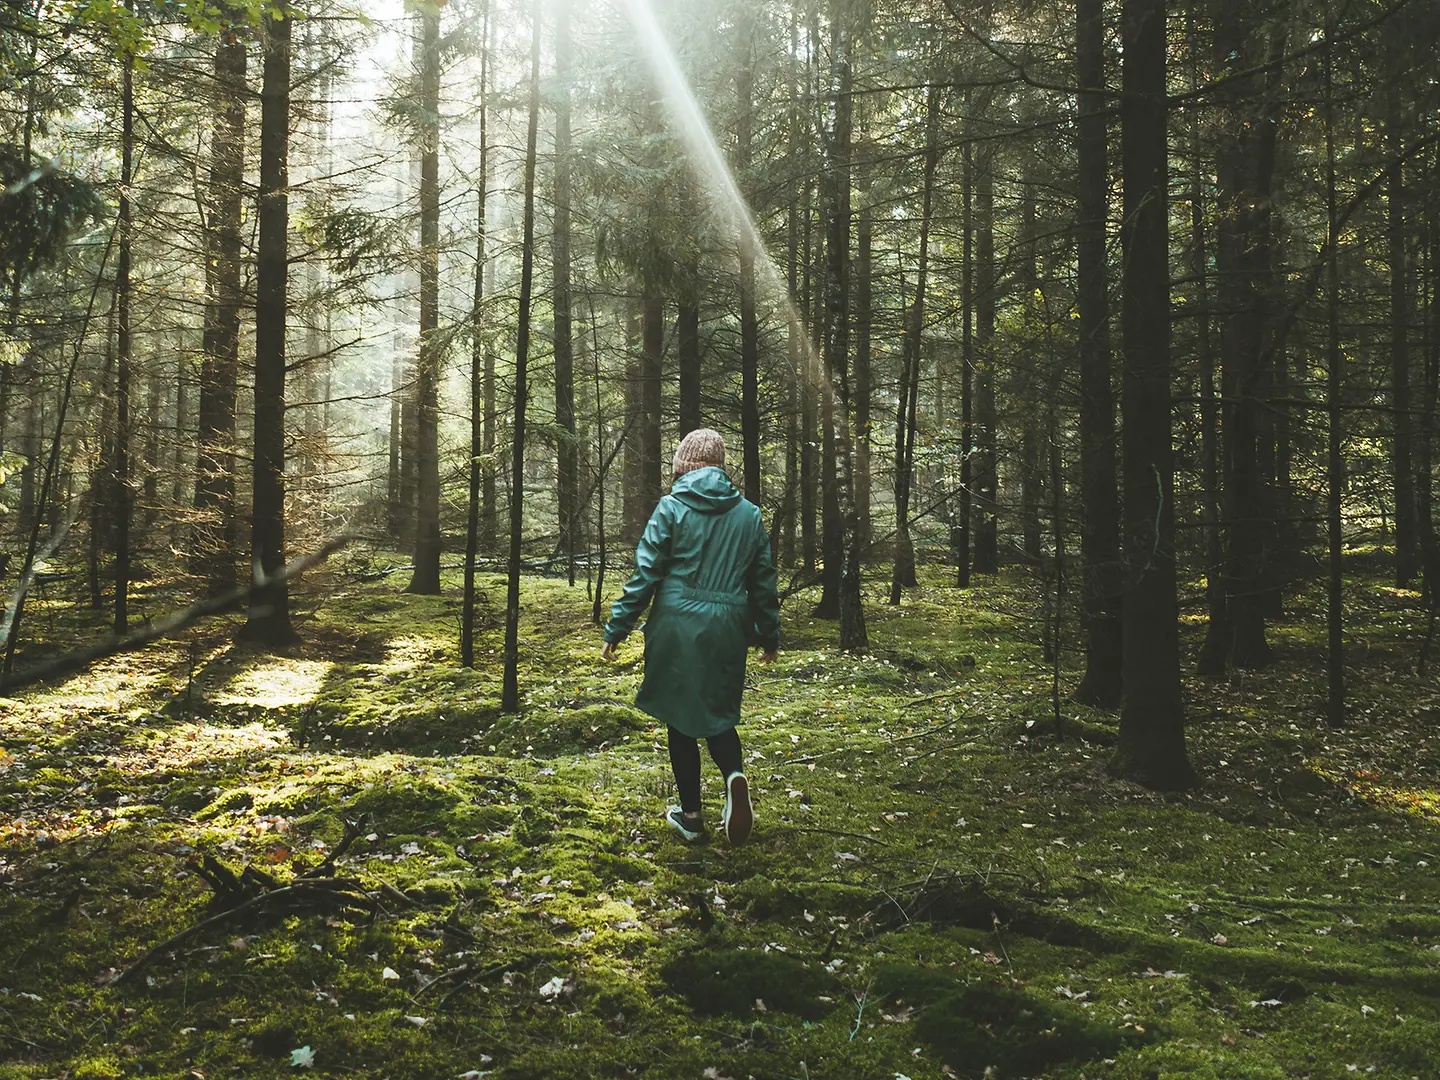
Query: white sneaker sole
[{"x": 739, "y": 814}]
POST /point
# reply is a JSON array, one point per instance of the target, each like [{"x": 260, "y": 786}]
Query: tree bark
[
  {"x": 1152, "y": 720},
  {"x": 960, "y": 542},
  {"x": 1335, "y": 434},
  {"x": 123, "y": 347},
  {"x": 749, "y": 323},
  {"x": 214, "y": 539},
  {"x": 268, "y": 622},
  {"x": 567, "y": 448},
  {"x": 426, "y": 578},
  {"x": 987, "y": 477},
  {"x": 903, "y": 571},
  {"x": 1402, "y": 444},
  {"x": 652, "y": 354},
  {"x": 510, "y": 686},
  {"x": 479, "y": 349},
  {"x": 1099, "y": 500}
]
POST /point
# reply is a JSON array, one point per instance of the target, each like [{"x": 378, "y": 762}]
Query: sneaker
[
  {"x": 739, "y": 816},
  {"x": 690, "y": 829}
]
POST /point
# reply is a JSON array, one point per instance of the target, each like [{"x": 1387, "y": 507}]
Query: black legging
[{"x": 685, "y": 761}]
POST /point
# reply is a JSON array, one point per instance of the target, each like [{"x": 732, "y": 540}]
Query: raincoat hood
[{"x": 707, "y": 490}]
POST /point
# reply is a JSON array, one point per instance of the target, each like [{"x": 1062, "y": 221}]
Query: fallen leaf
[{"x": 302, "y": 1058}]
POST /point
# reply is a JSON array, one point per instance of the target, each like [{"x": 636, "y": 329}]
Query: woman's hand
[
  {"x": 607, "y": 651},
  {"x": 768, "y": 656}
]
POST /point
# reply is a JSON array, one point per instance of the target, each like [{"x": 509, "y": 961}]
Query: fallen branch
[
  {"x": 74, "y": 662},
  {"x": 330, "y": 889}
]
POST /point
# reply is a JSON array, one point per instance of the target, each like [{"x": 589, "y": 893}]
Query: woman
[{"x": 705, "y": 561}]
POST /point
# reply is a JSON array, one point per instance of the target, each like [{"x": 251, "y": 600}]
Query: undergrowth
[{"x": 937, "y": 886}]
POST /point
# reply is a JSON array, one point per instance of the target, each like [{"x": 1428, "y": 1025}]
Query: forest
[{"x": 1082, "y": 359}]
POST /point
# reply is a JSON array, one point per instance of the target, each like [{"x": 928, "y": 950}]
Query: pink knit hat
[{"x": 702, "y": 447}]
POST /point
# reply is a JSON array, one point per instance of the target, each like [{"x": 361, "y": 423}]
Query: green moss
[{"x": 718, "y": 981}]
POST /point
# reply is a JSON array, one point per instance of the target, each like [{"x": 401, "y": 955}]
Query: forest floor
[{"x": 936, "y": 886}]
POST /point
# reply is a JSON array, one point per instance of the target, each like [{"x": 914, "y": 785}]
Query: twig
[
  {"x": 312, "y": 888},
  {"x": 832, "y": 832}
]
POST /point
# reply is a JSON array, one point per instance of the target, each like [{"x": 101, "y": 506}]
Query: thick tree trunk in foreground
[
  {"x": 960, "y": 541},
  {"x": 426, "y": 578},
  {"x": 749, "y": 323},
  {"x": 1335, "y": 435},
  {"x": 1099, "y": 499},
  {"x": 510, "y": 686},
  {"x": 269, "y": 616},
  {"x": 1152, "y": 717}
]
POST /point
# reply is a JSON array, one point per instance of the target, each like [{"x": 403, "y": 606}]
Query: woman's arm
[
  {"x": 652, "y": 559},
  {"x": 764, "y": 594}
]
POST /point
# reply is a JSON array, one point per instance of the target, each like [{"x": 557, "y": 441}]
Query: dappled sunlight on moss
[{"x": 275, "y": 683}]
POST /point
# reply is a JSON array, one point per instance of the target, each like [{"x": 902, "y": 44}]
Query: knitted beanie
[{"x": 702, "y": 447}]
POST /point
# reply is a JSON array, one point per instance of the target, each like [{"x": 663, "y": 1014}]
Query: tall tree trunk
[
  {"x": 687, "y": 348},
  {"x": 809, "y": 380},
  {"x": 488, "y": 512},
  {"x": 960, "y": 542},
  {"x": 903, "y": 571},
  {"x": 749, "y": 323},
  {"x": 426, "y": 578},
  {"x": 987, "y": 476},
  {"x": 652, "y": 353},
  {"x": 567, "y": 450},
  {"x": 864, "y": 314},
  {"x": 1152, "y": 718},
  {"x": 1242, "y": 260},
  {"x": 510, "y": 688},
  {"x": 840, "y": 452},
  {"x": 1099, "y": 500},
  {"x": 124, "y": 347},
  {"x": 479, "y": 348},
  {"x": 633, "y": 512},
  {"x": 1212, "y": 659},
  {"x": 1030, "y": 424},
  {"x": 154, "y": 391},
  {"x": 1335, "y": 435},
  {"x": 269, "y": 616},
  {"x": 1425, "y": 441},
  {"x": 1402, "y": 445}
]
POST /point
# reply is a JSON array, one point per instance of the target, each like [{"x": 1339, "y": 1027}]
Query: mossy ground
[{"x": 934, "y": 888}]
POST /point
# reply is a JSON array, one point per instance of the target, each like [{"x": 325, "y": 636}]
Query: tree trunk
[
  {"x": 1099, "y": 501},
  {"x": 903, "y": 572},
  {"x": 652, "y": 353},
  {"x": 987, "y": 477},
  {"x": 269, "y": 616},
  {"x": 1402, "y": 444},
  {"x": 960, "y": 541},
  {"x": 1031, "y": 428},
  {"x": 123, "y": 348},
  {"x": 749, "y": 323},
  {"x": 840, "y": 455},
  {"x": 1242, "y": 261},
  {"x": 808, "y": 379},
  {"x": 1152, "y": 719},
  {"x": 687, "y": 349},
  {"x": 426, "y": 578},
  {"x": 1335, "y": 435},
  {"x": 214, "y": 540},
  {"x": 864, "y": 313},
  {"x": 510, "y": 688},
  {"x": 153, "y": 465},
  {"x": 567, "y": 448},
  {"x": 479, "y": 349}
]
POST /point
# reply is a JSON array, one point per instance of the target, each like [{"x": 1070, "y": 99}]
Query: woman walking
[{"x": 705, "y": 562}]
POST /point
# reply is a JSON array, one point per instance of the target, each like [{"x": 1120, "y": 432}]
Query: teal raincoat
[{"x": 705, "y": 562}]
